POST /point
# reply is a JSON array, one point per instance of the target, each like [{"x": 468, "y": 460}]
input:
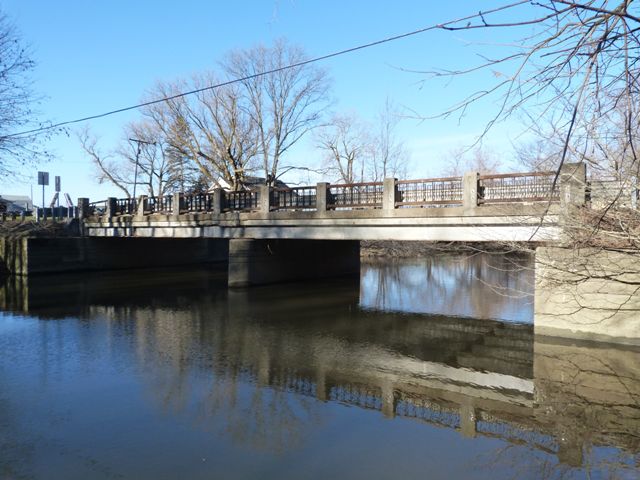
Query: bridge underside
[{"x": 258, "y": 262}]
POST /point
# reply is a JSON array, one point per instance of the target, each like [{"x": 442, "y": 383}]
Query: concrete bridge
[
  {"x": 277, "y": 234},
  {"x": 472, "y": 208}
]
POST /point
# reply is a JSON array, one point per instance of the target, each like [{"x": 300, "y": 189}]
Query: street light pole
[{"x": 135, "y": 175}]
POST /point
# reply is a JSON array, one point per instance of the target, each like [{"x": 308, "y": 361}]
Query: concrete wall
[
  {"x": 255, "y": 262},
  {"x": 587, "y": 293},
  {"x": 13, "y": 256},
  {"x": 29, "y": 256}
]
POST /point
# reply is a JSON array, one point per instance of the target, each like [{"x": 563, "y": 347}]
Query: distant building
[
  {"x": 15, "y": 204},
  {"x": 249, "y": 183}
]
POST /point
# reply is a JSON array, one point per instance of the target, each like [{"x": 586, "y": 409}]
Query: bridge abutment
[
  {"x": 587, "y": 293},
  {"x": 32, "y": 256},
  {"x": 260, "y": 262}
]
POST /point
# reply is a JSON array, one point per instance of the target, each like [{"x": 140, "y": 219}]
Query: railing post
[
  {"x": 264, "y": 205},
  {"x": 389, "y": 194},
  {"x": 573, "y": 186},
  {"x": 83, "y": 208},
  {"x": 141, "y": 207},
  {"x": 322, "y": 190},
  {"x": 470, "y": 190},
  {"x": 177, "y": 204},
  {"x": 112, "y": 206},
  {"x": 216, "y": 201}
]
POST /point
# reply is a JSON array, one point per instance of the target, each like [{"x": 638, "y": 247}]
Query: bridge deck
[{"x": 507, "y": 207}]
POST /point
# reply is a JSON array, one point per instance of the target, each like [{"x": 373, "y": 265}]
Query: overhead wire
[{"x": 301, "y": 63}]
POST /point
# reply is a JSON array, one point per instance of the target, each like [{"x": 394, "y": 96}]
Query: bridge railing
[
  {"x": 97, "y": 208},
  {"x": 162, "y": 204},
  {"x": 518, "y": 187},
  {"x": 471, "y": 191},
  {"x": 197, "y": 202},
  {"x": 244, "y": 200},
  {"x": 125, "y": 206},
  {"x": 355, "y": 195},
  {"x": 429, "y": 192},
  {"x": 294, "y": 198}
]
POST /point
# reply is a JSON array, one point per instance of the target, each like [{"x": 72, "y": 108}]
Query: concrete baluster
[
  {"x": 216, "y": 201},
  {"x": 390, "y": 194},
  {"x": 322, "y": 192},
  {"x": 177, "y": 205},
  {"x": 112, "y": 207},
  {"x": 470, "y": 191},
  {"x": 141, "y": 207},
  {"x": 264, "y": 199},
  {"x": 83, "y": 208},
  {"x": 573, "y": 186}
]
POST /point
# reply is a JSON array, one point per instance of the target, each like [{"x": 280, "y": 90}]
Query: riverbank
[
  {"x": 14, "y": 229},
  {"x": 417, "y": 249}
]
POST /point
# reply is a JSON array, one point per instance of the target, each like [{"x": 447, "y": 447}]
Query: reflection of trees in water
[
  {"x": 201, "y": 363},
  {"x": 267, "y": 419},
  {"x": 480, "y": 286},
  {"x": 524, "y": 462}
]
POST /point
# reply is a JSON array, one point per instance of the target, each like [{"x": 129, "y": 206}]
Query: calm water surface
[{"x": 421, "y": 369}]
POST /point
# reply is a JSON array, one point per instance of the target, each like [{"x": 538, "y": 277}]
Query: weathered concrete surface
[
  {"x": 588, "y": 293},
  {"x": 12, "y": 255},
  {"x": 256, "y": 262},
  {"x": 522, "y": 222},
  {"x": 29, "y": 256}
]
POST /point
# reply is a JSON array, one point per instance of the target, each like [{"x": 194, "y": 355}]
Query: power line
[{"x": 268, "y": 72}]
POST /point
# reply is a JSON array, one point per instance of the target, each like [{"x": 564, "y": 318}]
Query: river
[{"x": 424, "y": 368}]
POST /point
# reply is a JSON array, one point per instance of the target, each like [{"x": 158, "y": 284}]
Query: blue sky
[{"x": 96, "y": 56}]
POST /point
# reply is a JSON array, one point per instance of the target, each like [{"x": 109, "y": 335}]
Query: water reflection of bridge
[{"x": 479, "y": 377}]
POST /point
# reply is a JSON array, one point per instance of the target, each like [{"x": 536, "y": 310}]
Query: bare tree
[
  {"x": 346, "y": 146},
  {"x": 16, "y": 103},
  {"x": 284, "y": 105},
  {"x": 154, "y": 165},
  {"x": 580, "y": 64},
  {"x": 212, "y": 130},
  {"x": 390, "y": 157},
  {"x": 478, "y": 159},
  {"x": 359, "y": 151}
]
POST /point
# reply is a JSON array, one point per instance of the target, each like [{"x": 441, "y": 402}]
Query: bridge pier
[{"x": 260, "y": 262}]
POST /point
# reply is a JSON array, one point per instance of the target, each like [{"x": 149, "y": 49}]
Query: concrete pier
[{"x": 258, "y": 262}]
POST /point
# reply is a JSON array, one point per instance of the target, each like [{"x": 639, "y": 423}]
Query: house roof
[{"x": 248, "y": 183}]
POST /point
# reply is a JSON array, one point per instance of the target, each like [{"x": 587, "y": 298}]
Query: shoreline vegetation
[
  {"x": 14, "y": 229},
  {"x": 415, "y": 249}
]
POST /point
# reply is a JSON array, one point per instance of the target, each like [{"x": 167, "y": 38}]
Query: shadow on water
[{"x": 262, "y": 373}]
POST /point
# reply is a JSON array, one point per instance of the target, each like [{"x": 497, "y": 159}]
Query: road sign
[
  {"x": 43, "y": 178},
  {"x": 57, "y": 182}
]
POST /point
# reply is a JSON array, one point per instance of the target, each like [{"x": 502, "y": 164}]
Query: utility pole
[{"x": 135, "y": 175}]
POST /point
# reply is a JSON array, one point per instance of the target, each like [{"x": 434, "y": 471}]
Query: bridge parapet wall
[
  {"x": 497, "y": 207},
  {"x": 470, "y": 191}
]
